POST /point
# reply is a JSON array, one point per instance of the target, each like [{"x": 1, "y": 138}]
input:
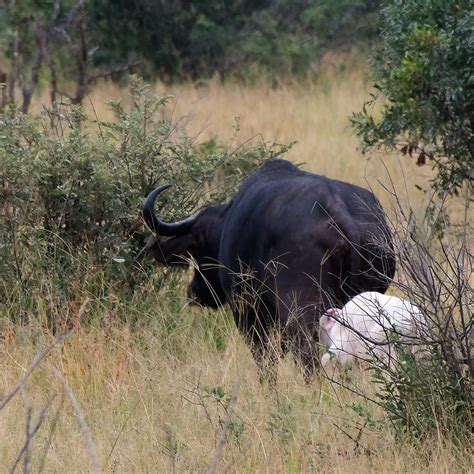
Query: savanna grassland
[{"x": 157, "y": 395}]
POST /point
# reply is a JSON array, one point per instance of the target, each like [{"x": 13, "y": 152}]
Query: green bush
[
  {"x": 424, "y": 397},
  {"x": 424, "y": 85},
  {"x": 72, "y": 188}
]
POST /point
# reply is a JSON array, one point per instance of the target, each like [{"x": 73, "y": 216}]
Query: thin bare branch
[
  {"x": 31, "y": 430},
  {"x": 36, "y": 361},
  {"x": 52, "y": 429},
  {"x": 86, "y": 432},
  {"x": 39, "y": 357},
  {"x": 111, "y": 71},
  {"x": 219, "y": 451}
]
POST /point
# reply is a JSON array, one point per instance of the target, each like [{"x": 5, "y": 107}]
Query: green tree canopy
[{"x": 424, "y": 81}]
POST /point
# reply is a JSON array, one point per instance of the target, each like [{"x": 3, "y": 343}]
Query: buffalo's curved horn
[{"x": 166, "y": 229}]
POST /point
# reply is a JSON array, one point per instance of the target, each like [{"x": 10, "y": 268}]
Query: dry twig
[
  {"x": 219, "y": 451},
  {"x": 39, "y": 357},
  {"x": 86, "y": 432},
  {"x": 31, "y": 430}
]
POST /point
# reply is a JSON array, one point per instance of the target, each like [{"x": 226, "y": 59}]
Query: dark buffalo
[{"x": 288, "y": 246}]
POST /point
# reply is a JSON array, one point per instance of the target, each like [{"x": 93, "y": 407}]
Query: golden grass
[
  {"x": 315, "y": 115},
  {"x": 147, "y": 394},
  {"x": 151, "y": 410}
]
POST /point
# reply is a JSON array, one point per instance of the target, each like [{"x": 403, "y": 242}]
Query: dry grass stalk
[
  {"x": 31, "y": 430},
  {"x": 219, "y": 451},
  {"x": 86, "y": 432}
]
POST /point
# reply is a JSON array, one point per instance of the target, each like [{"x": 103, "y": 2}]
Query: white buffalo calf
[{"x": 364, "y": 327}]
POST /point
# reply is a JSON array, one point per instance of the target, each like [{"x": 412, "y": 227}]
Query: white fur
[{"x": 369, "y": 318}]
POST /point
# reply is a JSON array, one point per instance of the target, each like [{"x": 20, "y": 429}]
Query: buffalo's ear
[{"x": 174, "y": 251}]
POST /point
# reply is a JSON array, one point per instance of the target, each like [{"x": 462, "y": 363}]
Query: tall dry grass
[
  {"x": 153, "y": 409},
  {"x": 315, "y": 115},
  {"x": 156, "y": 397}
]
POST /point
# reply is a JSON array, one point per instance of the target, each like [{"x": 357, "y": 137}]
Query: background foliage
[{"x": 194, "y": 39}]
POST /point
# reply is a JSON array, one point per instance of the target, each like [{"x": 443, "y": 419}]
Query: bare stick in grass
[
  {"x": 86, "y": 432},
  {"x": 28, "y": 442},
  {"x": 219, "y": 451},
  {"x": 39, "y": 357},
  {"x": 36, "y": 361},
  {"x": 31, "y": 430},
  {"x": 52, "y": 429}
]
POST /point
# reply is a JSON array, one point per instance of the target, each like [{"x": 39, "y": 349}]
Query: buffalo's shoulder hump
[{"x": 278, "y": 165}]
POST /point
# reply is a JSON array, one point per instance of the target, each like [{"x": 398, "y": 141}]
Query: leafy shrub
[{"x": 72, "y": 188}]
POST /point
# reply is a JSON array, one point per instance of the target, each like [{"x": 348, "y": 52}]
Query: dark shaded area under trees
[
  {"x": 81, "y": 41},
  {"x": 199, "y": 38}
]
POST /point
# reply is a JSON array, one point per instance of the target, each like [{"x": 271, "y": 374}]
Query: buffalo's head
[{"x": 195, "y": 238}]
